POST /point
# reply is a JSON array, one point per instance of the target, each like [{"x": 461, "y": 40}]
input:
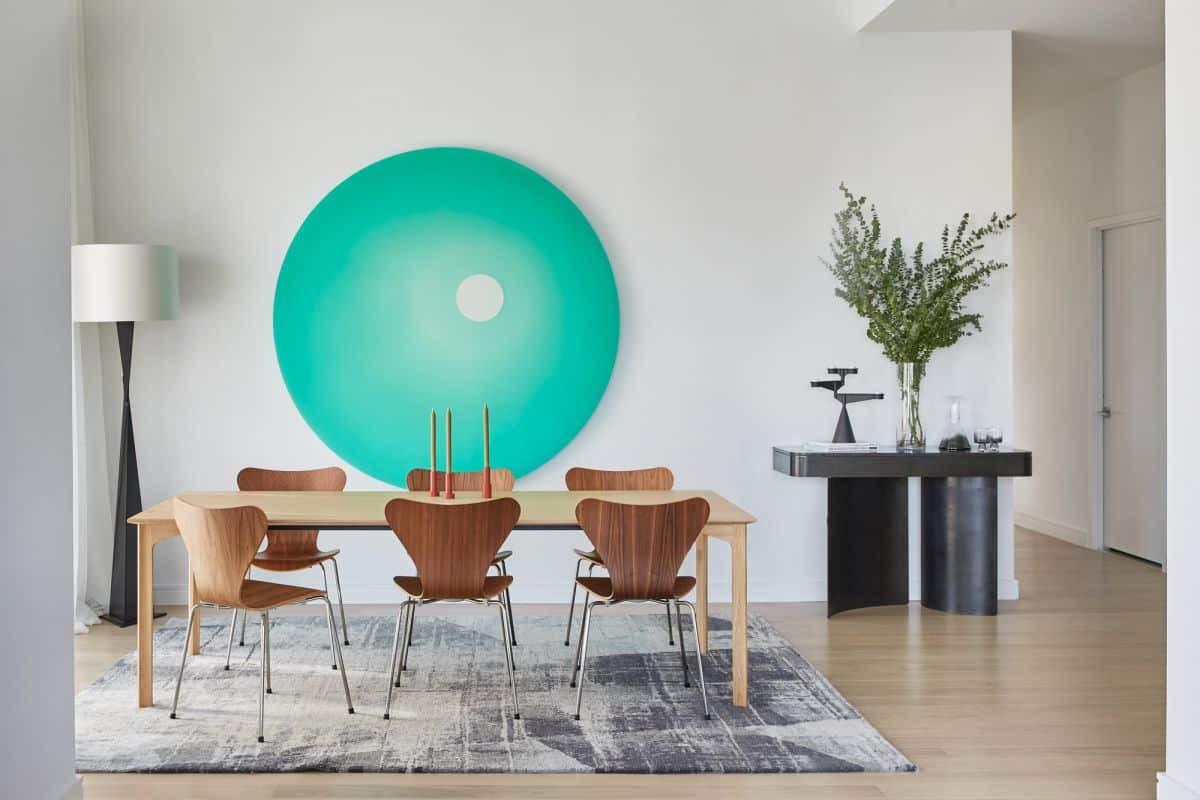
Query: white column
[{"x": 1181, "y": 781}]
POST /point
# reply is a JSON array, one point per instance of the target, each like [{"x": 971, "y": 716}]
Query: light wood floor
[{"x": 1061, "y": 696}]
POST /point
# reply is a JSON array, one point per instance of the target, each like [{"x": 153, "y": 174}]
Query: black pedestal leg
[
  {"x": 122, "y": 603},
  {"x": 868, "y": 543},
  {"x": 958, "y": 545}
]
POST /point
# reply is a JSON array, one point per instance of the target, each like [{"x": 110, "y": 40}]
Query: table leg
[
  {"x": 194, "y": 642},
  {"x": 741, "y": 657},
  {"x": 702, "y": 590},
  {"x": 867, "y": 543},
  {"x": 958, "y": 544},
  {"x": 145, "y": 617}
]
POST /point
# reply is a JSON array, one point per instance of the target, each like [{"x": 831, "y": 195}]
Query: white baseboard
[
  {"x": 560, "y": 593},
  {"x": 74, "y": 791},
  {"x": 1171, "y": 789},
  {"x": 1067, "y": 533}
]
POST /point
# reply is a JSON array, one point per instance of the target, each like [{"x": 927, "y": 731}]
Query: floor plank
[{"x": 1062, "y": 695}]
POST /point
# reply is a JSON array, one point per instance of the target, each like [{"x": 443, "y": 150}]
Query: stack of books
[{"x": 839, "y": 447}]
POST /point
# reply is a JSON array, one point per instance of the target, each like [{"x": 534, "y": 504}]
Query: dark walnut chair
[
  {"x": 417, "y": 480},
  {"x": 290, "y": 551},
  {"x": 452, "y": 547},
  {"x": 220, "y": 544},
  {"x": 581, "y": 479},
  {"x": 643, "y": 547}
]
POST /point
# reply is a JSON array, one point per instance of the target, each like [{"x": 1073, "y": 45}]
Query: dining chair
[
  {"x": 581, "y": 479},
  {"x": 289, "y": 551},
  {"x": 220, "y": 544},
  {"x": 643, "y": 547},
  {"x": 452, "y": 547},
  {"x": 503, "y": 480}
]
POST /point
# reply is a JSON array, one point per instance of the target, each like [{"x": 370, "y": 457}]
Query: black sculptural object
[{"x": 844, "y": 432}]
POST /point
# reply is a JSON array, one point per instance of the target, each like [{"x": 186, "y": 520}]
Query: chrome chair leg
[
  {"x": 571, "y": 611},
  {"x": 505, "y": 627},
  {"x": 393, "y": 674},
  {"x": 332, "y": 634},
  {"x": 183, "y": 658},
  {"x": 512, "y": 629},
  {"x": 264, "y": 669},
  {"x": 412, "y": 613},
  {"x": 232, "y": 628},
  {"x": 337, "y": 581},
  {"x": 699, "y": 657},
  {"x": 337, "y": 651},
  {"x": 682, "y": 654},
  {"x": 266, "y": 646},
  {"x": 670, "y": 635},
  {"x": 579, "y": 644},
  {"x": 242, "y": 635},
  {"x": 586, "y": 594},
  {"x": 583, "y": 643},
  {"x": 397, "y": 668}
]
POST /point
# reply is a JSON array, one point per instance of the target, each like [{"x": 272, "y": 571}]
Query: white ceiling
[{"x": 1061, "y": 48}]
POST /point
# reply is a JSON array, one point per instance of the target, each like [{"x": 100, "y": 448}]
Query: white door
[{"x": 1134, "y": 385}]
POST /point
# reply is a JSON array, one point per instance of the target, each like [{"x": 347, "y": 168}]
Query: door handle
[{"x": 1105, "y": 412}]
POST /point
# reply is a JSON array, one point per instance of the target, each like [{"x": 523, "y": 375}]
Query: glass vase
[{"x": 910, "y": 434}]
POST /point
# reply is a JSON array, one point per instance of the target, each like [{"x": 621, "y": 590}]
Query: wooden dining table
[{"x": 363, "y": 511}]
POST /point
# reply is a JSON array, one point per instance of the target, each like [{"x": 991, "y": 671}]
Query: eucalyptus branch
[{"x": 913, "y": 305}]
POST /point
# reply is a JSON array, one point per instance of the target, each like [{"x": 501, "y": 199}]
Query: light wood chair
[
  {"x": 503, "y": 480},
  {"x": 289, "y": 551},
  {"x": 581, "y": 479},
  {"x": 220, "y": 543},
  {"x": 643, "y": 547},
  {"x": 452, "y": 547}
]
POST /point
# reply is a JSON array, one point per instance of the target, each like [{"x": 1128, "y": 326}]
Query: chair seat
[
  {"x": 603, "y": 587},
  {"x": 492, "y": 587},
  {"x": 590, "y": 555},
  {"x": 502, "y": 555},
  {"x": 289, "y": 563},
  {"x": 264, "y": 596}
]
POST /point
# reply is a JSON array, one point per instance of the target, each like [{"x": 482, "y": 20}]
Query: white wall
[
  {"x": 704, "y": 140},
  {"x": 37, "y": 730},
  {"x": 1182, "y": 779},
  {"x": 1099, "y": 155}
]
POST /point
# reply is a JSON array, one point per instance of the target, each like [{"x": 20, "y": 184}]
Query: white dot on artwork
[{"x": 479, "y": 297}]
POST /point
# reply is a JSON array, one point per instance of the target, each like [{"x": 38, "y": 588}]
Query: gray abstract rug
[{"x": 453, "y": 711}]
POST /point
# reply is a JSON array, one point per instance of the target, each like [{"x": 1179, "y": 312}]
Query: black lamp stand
[{"x": 123, "y": 594}]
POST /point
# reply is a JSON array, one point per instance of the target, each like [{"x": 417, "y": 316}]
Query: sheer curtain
[{"x": 92, "y": 507}]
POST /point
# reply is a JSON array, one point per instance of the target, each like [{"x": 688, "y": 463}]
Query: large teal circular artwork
[{"x": 445, "y": 277}]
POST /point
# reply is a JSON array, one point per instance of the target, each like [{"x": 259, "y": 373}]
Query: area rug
[{"x": 453, "y": 710}]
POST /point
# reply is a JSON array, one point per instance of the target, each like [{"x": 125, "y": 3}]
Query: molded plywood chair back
[
  {"x": 452, "y": 546},
  {"x": 582, "y": 479},
  {"x": 287, "y": 546},
  {"x": 220, "y": 542},
  {"x": 643, "y": 546}
]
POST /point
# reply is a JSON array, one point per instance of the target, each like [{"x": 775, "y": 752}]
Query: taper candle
[
  {"x": 449, "y": 494},
  {"x": 433, "y": 453},
  {"x": 487, "y": 447},
  {"x": 487, "y": 456}
]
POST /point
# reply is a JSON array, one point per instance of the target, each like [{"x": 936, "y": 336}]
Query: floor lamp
[{"x": 124, "y": 283}]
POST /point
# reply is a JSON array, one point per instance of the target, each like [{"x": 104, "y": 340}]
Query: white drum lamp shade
[{"x": 124, "y": 282}]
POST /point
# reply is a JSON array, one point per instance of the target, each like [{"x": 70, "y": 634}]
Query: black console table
[{"x": 868, "y": 523}]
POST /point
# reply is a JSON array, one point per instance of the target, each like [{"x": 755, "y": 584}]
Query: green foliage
[{"x": 912, "y": 306}]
